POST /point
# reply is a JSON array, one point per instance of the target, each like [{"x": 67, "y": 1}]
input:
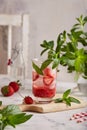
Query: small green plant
[{"x": 67, "y": 51}]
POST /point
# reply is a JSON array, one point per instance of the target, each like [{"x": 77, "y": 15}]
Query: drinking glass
[{"x": 43, "y": 85}]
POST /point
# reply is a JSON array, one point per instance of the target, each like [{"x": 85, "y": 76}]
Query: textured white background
[{"x": 47, "y": 19}]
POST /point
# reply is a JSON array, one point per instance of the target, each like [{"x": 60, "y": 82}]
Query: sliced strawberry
[
  {"x": 7, "y": 90},
  {"x": 28, "y": 100},
  {"x": 34, "y": 75},
  {"x": 47, "y": 80},
  {"x": 47, "y": 72},
  {"x": 44, "y": 92}
]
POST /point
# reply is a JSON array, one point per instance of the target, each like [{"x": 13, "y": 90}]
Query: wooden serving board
[{"x": 50, "y": 107}]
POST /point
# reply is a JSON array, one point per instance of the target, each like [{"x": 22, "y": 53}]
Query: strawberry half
[
  {"x": 28, "y": 100},
  {"x": 7, "y": 90},
  {"x": 15, "y": 85},
  {"x": 35, "y": 75},
  {"x": 48, "y": 80},
  {"x": 47, "y": 72}
]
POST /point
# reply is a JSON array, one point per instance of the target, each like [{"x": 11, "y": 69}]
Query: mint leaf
[
  {"x": 45, "y": 64},
  {"x": 72, "y": 99},
  {"x": 10, "y": 109},
  {"x": 11, "y": 115},
  {"x": 60, "y": 41},
  {"x": 66, "y": 93},
  {"x": 55, "y": 63},
  {"x": 18, "y": 119},
  {"x": 0, "y": 103},
  {"x": 44, "y": 51},
  {"x": 37, "y": 69},
  {"x": 47, "y": 46},
  {"x": 58, "y": 100},
  {"x": 67, "y": 101}
]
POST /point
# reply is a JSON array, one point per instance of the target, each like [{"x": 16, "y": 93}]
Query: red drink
[{"x": 44, "y": 86}]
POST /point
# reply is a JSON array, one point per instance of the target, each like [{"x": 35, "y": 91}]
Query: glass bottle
[{"x": 18, "y": 64}]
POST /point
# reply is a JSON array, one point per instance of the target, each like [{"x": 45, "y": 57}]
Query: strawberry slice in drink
[
  {"x": 48, "y": 80},
  {"x": 35, "y": 75},
  {"x": 48, "y": 72},
  {"x": 43, "y": 92}
]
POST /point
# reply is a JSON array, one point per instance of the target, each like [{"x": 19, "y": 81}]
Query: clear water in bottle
[{"x": 18, "y": 64}]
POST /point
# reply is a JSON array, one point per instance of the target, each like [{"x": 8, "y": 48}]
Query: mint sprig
[
  {"x": 66, "y": 51},
  {"x": 38, "y": 69},
  {"x": 66, "y": 98},
  {"x": 12, "y": 116}
]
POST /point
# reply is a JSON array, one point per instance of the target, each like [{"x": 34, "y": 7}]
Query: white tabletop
[{"x": 49, "y": 121}]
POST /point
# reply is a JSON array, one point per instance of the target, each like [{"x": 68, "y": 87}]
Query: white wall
[{"x": 47, "y": 19}]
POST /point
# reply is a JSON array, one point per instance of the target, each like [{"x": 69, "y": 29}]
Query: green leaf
[
  {"x": 60, "y": 41},
  {"x": 72, "y": 99},
  {"x": 45, "y": 64},
  {"x": 51, "y": 44},
  {"x": 80, "y": 20},
  {"x": 48, "y": 45},
  {"x": 75, "y": 25},
  {"x": 0, "y": 117},
  {"x": 37, "y": 69},
  {"x": 10, "y": 109},
  {"x": 52, "y": 55},
  {"x": 0, "y": 103},
  {"x": 83, "y": 41},
  {"x": 55, "y": 63},
  {"x": 66, "y": 93},
  {"x": 18, "y": 118},
  {"x": 71, "y": 47},
  {"x": 74, "y": 36},
  {"x": 79, "y": 64},
  {"x": 44, "y": 44},
  {"x": 67, "y": 101},
  {"x": 85, "y": 19},
  {"x": 58, "y": 100},
  {"x": 43, "y": 51}
]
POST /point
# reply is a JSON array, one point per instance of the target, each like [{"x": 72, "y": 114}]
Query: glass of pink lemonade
[{"x": 43, "y": 85}]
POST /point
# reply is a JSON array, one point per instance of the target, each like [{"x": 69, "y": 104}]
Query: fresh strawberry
[
  {"x": 28, "y": 100},
  {"x": 7, "y": 90},
  {"x": 47, "y": 80},
  {"x": 15, "y": 85},
  {"x": 34, "y": 75}
]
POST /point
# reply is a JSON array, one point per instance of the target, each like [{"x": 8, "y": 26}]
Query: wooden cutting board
[{"x": 51, "y": 107}]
